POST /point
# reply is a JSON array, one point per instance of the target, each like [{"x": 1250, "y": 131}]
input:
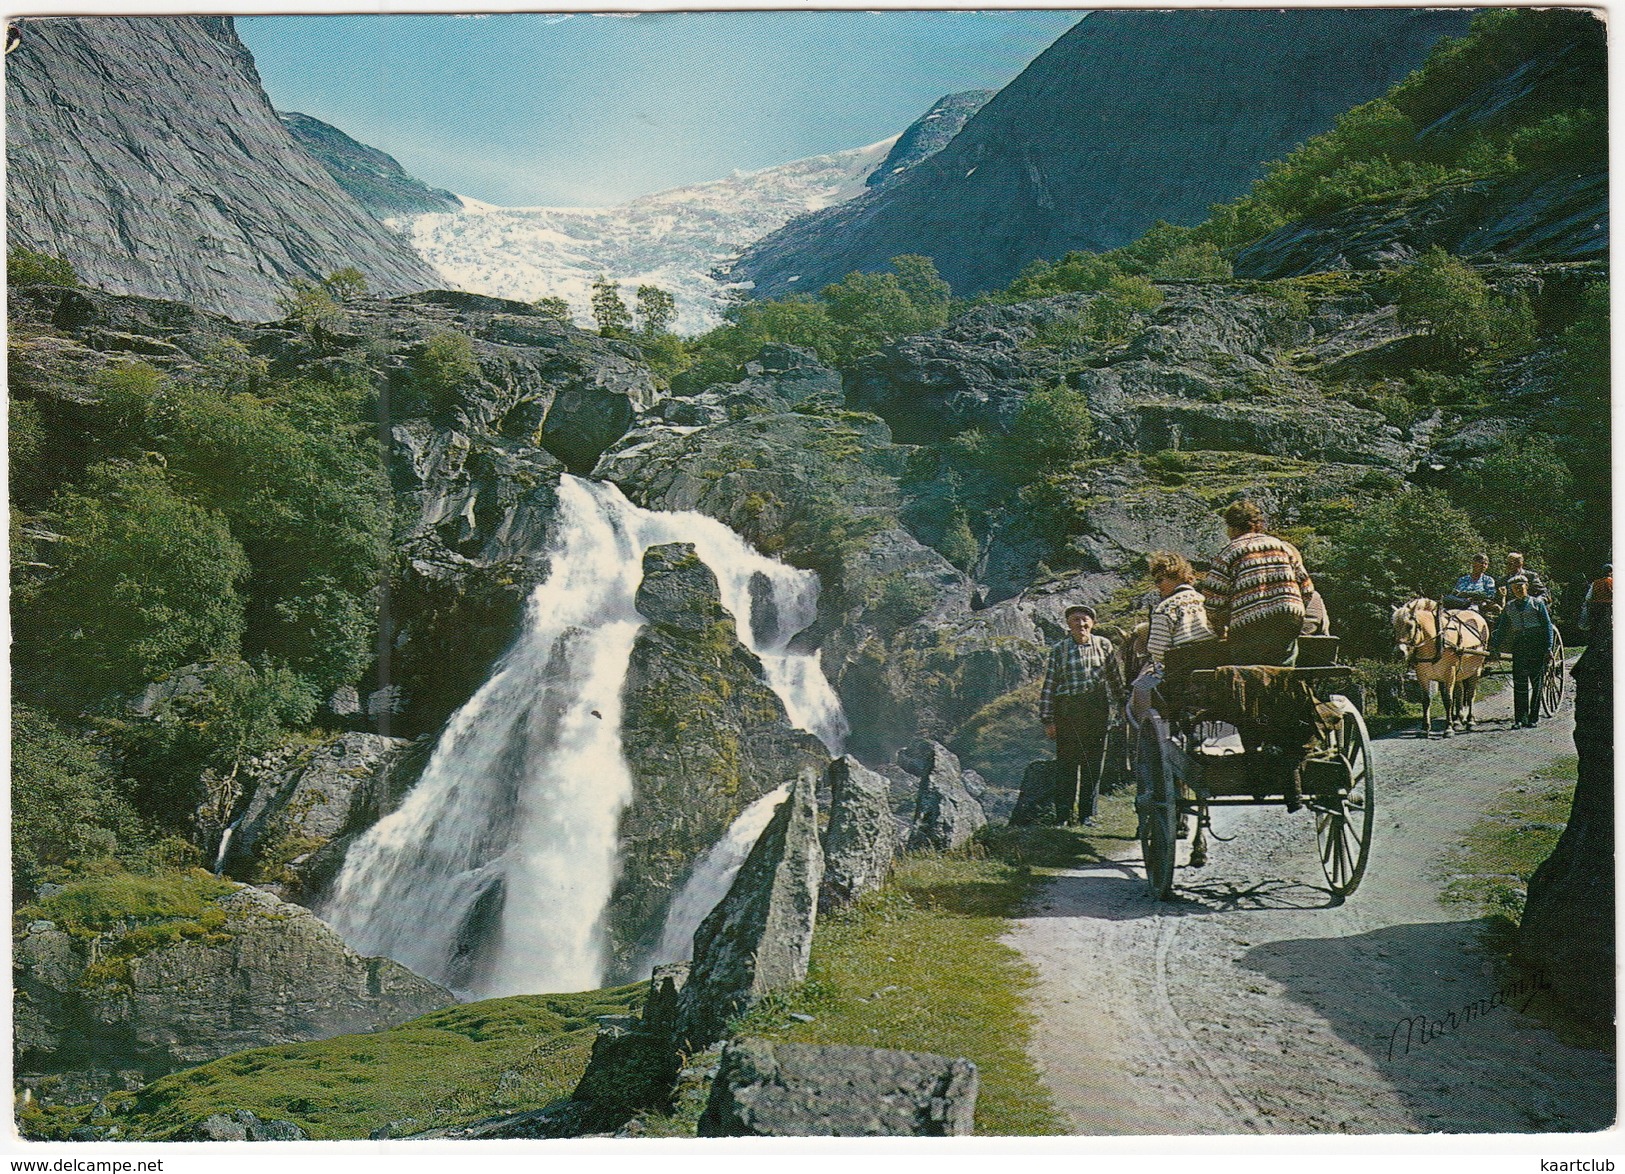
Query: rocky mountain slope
[
  {"x": 930, "y": 133},
  {"x": 1080, "y": 152},
  {"x": 143, "y": 150},
  {"x": 376, "y": 180}
]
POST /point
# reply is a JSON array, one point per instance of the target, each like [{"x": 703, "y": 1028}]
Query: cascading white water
[
  {"x": 494, "y": 875},
  {"x": 708, "y": 883}
]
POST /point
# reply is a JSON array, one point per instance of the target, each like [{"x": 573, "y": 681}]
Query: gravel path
[{"x": 1251, "y": 1003}]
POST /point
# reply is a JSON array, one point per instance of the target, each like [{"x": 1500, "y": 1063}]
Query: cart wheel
[
  {"x": 1551, "y": 688},
  {"x": 1343, "y": 824},
  {"x": 1157, "y": 824}
]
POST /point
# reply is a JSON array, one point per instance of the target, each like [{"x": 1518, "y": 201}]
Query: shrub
[
  {"x": 66, "y": 801},
  {"x": 609, "y": 310},
  {"x": 25, "y": 266},
  {"x": 311, "y": 307},
  {"x": 442, "y": 368}
]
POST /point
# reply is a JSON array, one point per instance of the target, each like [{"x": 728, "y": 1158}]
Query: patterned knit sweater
[
  {"x": 1179, "y": 619},
  {"x": 1253, "y": 577}
]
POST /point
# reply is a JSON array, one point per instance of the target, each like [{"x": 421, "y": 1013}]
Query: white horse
[{"x": 1447, "y": 649}]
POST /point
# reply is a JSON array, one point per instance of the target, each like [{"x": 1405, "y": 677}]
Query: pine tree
[{"x": 608, "y": 310}]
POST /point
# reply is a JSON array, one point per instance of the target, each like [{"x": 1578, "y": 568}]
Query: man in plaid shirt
[{"x": 1082, "y": 694}]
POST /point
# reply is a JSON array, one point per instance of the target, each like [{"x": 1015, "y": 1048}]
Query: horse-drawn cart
[
  {"x": 1551, "y": 684},
  {"x": 1247, "y": 735}
]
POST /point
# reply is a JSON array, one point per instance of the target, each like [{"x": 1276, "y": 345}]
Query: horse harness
[{"x": 1443, "y": 624}]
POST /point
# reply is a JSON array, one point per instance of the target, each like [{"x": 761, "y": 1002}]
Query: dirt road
[{"x": 1252, "y": 1003}]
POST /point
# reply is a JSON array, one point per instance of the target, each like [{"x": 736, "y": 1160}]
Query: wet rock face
[
  {"x": 280, "y": 976},
  {"x": 703, "y": 735},
  {"x": 759, "y": 938},
  {"x": 306, "y": 802},
  {"x": 144, "y": 151},
  {"x": 861, "y": 837},
  {"x": 802, "y": 1090}
]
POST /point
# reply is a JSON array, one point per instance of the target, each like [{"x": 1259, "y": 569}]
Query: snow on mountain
[{"x": 672, "y": 239}]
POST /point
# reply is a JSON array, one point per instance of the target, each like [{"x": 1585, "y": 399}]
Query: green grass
[
  {"x": 447, "y": 1068},
  {"x": 1490, "y": 869},
  {"x": 919, "y": 966}
]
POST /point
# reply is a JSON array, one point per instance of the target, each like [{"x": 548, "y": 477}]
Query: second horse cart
[{"x": 1250, "y": 735}]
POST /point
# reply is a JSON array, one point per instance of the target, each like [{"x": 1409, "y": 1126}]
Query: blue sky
[{"x": 587, "y": 109}]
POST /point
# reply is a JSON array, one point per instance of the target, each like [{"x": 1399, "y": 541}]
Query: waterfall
[
  {"x": 494, "y": 875},
  {"x": 708, "y": 883}
]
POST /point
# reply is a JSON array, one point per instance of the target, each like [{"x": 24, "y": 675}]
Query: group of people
[{"x": 1251, "y": 607}]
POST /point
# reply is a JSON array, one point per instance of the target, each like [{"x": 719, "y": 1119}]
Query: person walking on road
[
  {"x": 1525, "y": 630},
  {"x": 1081, "y": 696}
]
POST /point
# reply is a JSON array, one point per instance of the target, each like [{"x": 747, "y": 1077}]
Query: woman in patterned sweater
[
  {"x": 1256, "y": 590},
  {"x": 1178, "y": 618}
]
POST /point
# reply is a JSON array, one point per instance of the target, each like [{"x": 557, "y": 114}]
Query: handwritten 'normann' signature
[{"x": 1422, "y": 1029}]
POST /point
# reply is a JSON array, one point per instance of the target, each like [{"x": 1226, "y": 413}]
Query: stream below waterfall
[{"x": 494, "y": 875}]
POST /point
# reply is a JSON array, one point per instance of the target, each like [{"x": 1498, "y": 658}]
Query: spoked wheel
[
  {"x": 1156, "y": 824},
  {"x": 1551, "y": 688},
  {"x": 1343, "y": 823}
]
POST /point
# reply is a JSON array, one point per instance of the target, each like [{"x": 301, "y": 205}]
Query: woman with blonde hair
[{"x": 1179, "y": 617}]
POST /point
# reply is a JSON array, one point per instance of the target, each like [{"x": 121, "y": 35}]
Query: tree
[
  {"x": 1110, "y": 316},
  {"x": 608, "y": 310},
  {"x": 556, "y": 308},
  {"x": 346, "y": 285},
  {"x": 442, "y": 368},
  {"x": 1385, "y": 550},
  {"x": 144, "y": 581},
  {"x": 1446, "y": 296},
  {"x": 656, "y": 312},
  {"x": 1051, "y": 430},
  {"x": 311, "y": 306},
  {"x": 67, "y": 803}
]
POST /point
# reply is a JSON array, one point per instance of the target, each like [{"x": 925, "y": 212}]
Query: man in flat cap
[{"x": 1083, "y": 690}]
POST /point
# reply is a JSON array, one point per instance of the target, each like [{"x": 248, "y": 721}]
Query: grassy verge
[
  {"x": 920, "y": 967},
  {"x": 1489, "y": 874},
  {"x": 1490, "y": 870},
  {"x": 447, "y": 1068}
]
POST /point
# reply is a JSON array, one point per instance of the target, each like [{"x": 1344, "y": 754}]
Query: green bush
[
  {"x": 441, "y": 370},
  {"x": 142, "y": 580},
  {"x": 1455, "y": 305},
  {"x": 25, "y": 266},
  {"x": 67, "y": 803}
]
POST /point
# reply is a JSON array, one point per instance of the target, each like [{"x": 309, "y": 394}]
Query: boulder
[
  {"x": 243, "y": 1126},
  {"x": 267, "y": 973},
  {"x": 946, "y": 815},
  {"x": 800, "y": 1090},
  {"x": 759, "y": 938},
  {"x": 635, "y": 1061},
  {"x": 703, "y": 735},
  {"x": 861, "y": 836}
]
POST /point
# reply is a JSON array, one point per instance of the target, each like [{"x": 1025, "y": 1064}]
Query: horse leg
[
  {"x": 1469, "y": 689},
  {"x": 1427, "y": 707},
  {"x": 1447, "y": 688}
]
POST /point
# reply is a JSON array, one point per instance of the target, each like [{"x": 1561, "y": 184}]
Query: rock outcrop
[
  {"x": 861, "y": 837},
  {"x": 267, "y": 972},
  {"x": 1079, "y": 152},
  {"x": 243, "y": 1126},
  {"x": 946, "y": 814},
  {"x": 928, "y": 134},
  {"x": 759, "y": 938},
  {"x": 378, "y": 183},
  {"x": 703, "y": 736},
  {"x": 305, "y": 802},
  {"x": 768, "y": 1089},
  {"x": 144, "y": 151}
]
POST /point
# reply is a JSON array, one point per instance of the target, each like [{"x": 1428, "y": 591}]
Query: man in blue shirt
[
  {"x": 1082, "y": 692},
  {"x": 1525, "y": 628},
  {"x": 1475, "y": 587}
]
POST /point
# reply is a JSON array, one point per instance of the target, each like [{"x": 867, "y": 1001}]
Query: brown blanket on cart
[{"x": 1275, "y": 702}]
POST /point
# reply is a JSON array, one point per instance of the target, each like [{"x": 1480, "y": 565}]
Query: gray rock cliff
[
  {"x": 144, "y": 151},
  {"x": 378, "y": 183},
  {"x": 270, "y": 973}
]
